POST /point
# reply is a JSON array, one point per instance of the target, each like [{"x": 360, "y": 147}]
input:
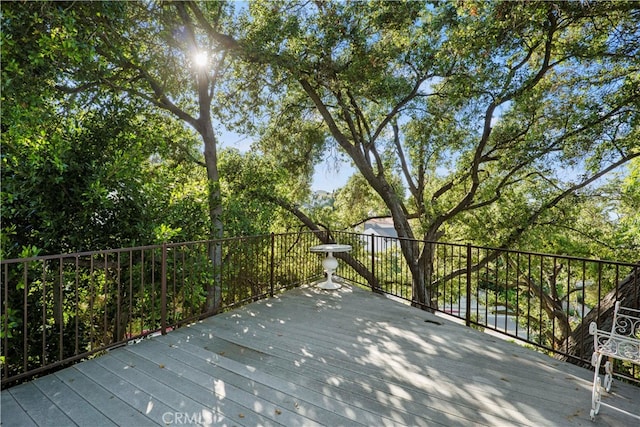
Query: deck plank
[
  {"x": 66, "y": 398},
  {"x": 456, "y": 368},
  {"x": 215, "y": 393},
  {"x": 159, "y": 400},
  {"x": 12, "y": 414},
  {"x": 38, "y": 406},
  {"x": 349, "y": 374},
  {"x": 359, "y": 389},
  {"x": 306, "y": 387},
  {"x": 148, "y": 409},
  {"x": 96, "y": 396},
  {"x": 311, "y": 357},
  {"x": 201, "y": 366}
]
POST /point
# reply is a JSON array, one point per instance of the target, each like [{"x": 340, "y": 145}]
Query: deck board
[
  {"x": 310, "y": 357},
  {"x": 66, "y": 399},
  {"x": 39, "y": 407},
  {"x": 95, "y": 395},
  {"x": 249, "y": 388},
  {"x": 9, "y": 407},
  {"x": 356, "y": 386}
]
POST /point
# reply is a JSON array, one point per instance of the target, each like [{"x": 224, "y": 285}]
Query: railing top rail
[
  {"x": 227, "y": 239},
  {"x": 78, "y": 254},
  {"x": 140, "y": 248},
  {"x": 502, "y": 249},
  {"x": 567, "y": 257}
]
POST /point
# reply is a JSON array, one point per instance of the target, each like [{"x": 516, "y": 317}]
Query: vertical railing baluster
[
  {"x": 486, "y": 294},
  {"x": 142, "y": 291},
  {"x": 540, "y": 308},
  {"x": 91, "y": 298},
  {"x": 183, "y": 269},
  {"x": 163, "y": 291},
  {"x": 515, "y": 278},
  {"x": 554, "y": 293},
  {"x": 617, "y": 281},
  {"x": 459, "y": 267},
  {"x": 478, "y": 279},
  {"x": 496, "y": 278},
  {"x": 152, "y": 315},
  {"x": 105, "y": 335},
  {"x": 599, "y": 291},
  {"x": 77, "y": 311},
  {"x": 60, "y": 311},
  {"x": 507, "y": 263},
  {"x": 44, "y": 312},
  {"x": 5, "y": 306},
  {"x": 529, "y": 277},
  {"x": 272, "y": 265},
  {"x": 25, "y": 311},
  {"x": 582, "y": 305},
  {"x": 467, "y": 315},
  {"x": 118, "y": 336},
  {"x": 130, "y": 310},
  {"x": 174, "y": 277},
  {"x": 566, "y": 338},
  {"x": 376, "y": 279}
]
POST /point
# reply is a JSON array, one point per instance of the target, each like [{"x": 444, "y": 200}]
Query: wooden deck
[{"x": 311, "y": 357}]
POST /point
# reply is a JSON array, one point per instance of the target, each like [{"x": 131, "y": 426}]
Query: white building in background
[{"x": 385, "y": 236}]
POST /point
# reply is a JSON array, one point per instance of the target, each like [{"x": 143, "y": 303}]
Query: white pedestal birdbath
[{"x": 330, "y": 263}]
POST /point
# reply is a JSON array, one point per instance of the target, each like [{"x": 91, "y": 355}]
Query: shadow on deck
[{"x": 311, "y": 357}]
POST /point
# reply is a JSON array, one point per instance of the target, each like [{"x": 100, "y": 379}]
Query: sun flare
[{"x": 201, "y": 59}]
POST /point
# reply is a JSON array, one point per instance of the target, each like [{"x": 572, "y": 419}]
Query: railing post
[
  {"x": 467, "y": 315},
  {"x": 373, "y": 262},
  {"x": 272, "y": 264},
  {"x": 163, "y": 292}
]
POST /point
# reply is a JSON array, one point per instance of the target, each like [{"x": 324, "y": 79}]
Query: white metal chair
[{"x": 622, "y": 342}]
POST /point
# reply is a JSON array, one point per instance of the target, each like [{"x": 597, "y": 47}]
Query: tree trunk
[
  {"x": 580, "y": 345},
  {"x": 420, "y": 297},
  {"x": 214, "y": 289}
]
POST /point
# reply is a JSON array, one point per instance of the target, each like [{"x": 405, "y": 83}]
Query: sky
[{"x": 330, "y": 176}]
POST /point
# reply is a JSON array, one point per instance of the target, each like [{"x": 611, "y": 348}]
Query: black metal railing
[
  {"x": 61, "y": 308},
  {"x": 546, "y": 301}
]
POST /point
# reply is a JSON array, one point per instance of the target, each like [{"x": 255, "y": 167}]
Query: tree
[
  {"x": 246, "y": 180},
  {"x": 75, "y": 187},
  {"x": 468, "y": 100},
  {"x": 88, "y": 168},
  {"x": 627, "y": 211},
  {"x": 150, "y": 52}
]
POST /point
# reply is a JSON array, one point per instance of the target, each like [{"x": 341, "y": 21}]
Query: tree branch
[
  {"x": 403, "y": 163},
  {"x": 226, "y": 41},
  {"x": 161, "y": 99},
  {"x": 516, "y": 233}
]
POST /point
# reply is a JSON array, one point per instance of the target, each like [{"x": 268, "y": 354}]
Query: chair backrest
[{"x": 626, "y": 321}]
